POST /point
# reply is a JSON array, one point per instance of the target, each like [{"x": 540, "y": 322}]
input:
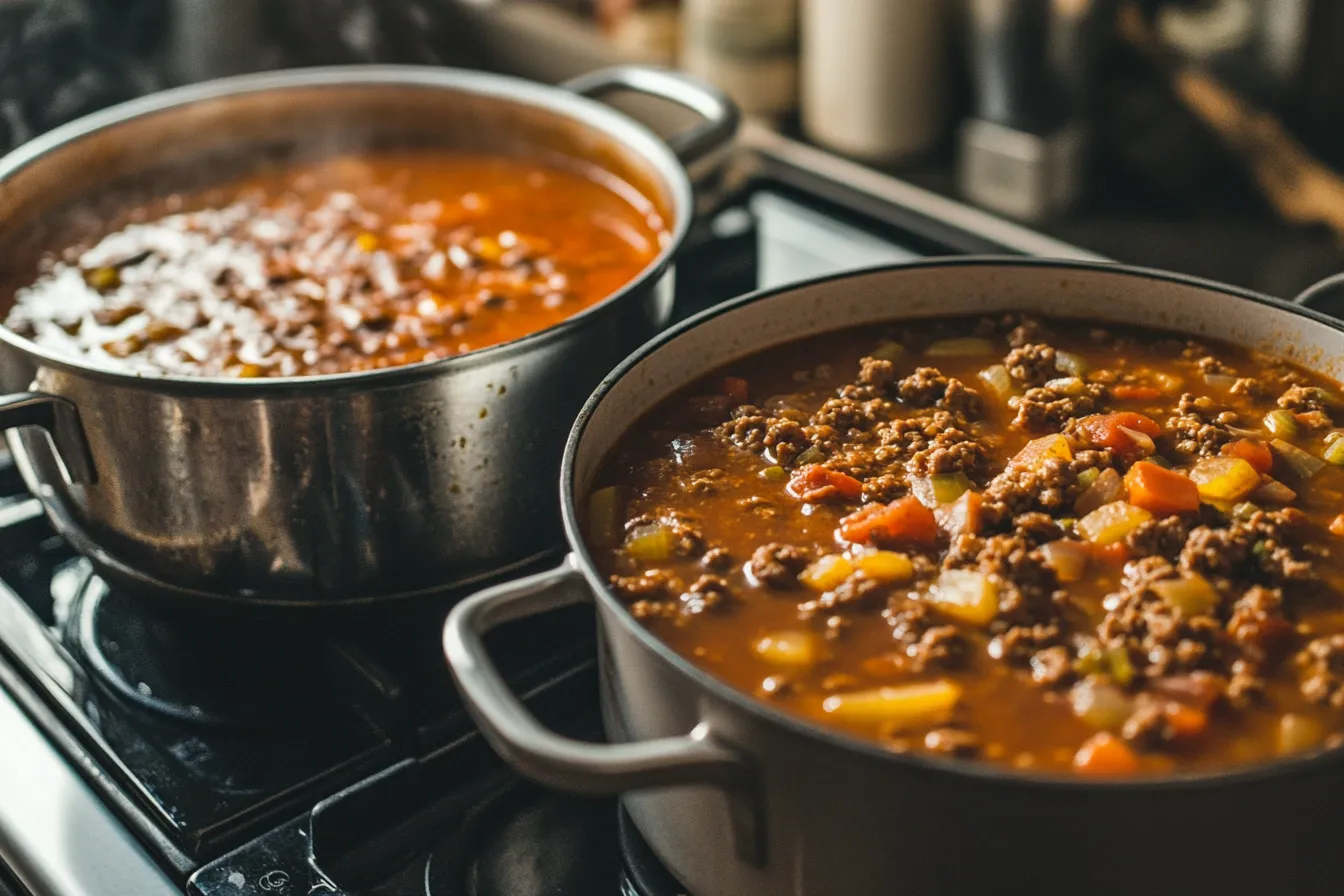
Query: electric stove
[{"x": 145, "y": 753}]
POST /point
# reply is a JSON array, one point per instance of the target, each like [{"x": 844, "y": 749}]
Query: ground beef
[
  {"x": 1302, "y": 399},
  {"x": 746, "y": 428},
  {"x": 1199, "y": 428},
  {"x": 1163, "y": 537},
  {"x": 1026, "y": 583},
  {"x": 855, "y": 593},
  {"x": 924, "y": 643},
  {"x": 1055, "y": 402},
  {"x": 1033, "y": 364},
  {"x": 1263, "y": 547},
  {"x": 952, "y": 742},
  {"x": 848, "y": 415},
  {"x": 717, "y": 559},
  {"x": 706, "y": 593},
  {"x": 952, "y": 451},
  {"x": 1248, "y": 388},
  {"x": 654, "y": 584},
  {"x": 1147, "y": 724},
  {"x": 777, "y": 565},
  {"x": 1246, "y": 686},
  {"x": 1052, "y": 666},
  {"x": 1052, "y": 487},
  {"x": 1036, "y": 528},
  {"x": 1140, "y": 621},
  {"x": 1020, "y": 643},
  {"x": 923, "y": 388},
  {"x": 1027, "y": 331},
  {"x": 876, "y": 373},
  {"x": 1321, "y": 668},
  {"x": 690, "y": 540}
]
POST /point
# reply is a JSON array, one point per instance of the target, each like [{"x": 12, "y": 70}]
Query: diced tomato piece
[
  {"x": 735, "y": 388},
  {"x": 1115, "y": 553},
  {"x": 1160, "y": 490},
  {"x": 1109, "y": 431},
  {"x": 904, "y": 519},
  {"x": 1126, "y": 392},
  {"x": 815, "y": 484},
  {"x": 1257, "y": 454},
  {"x": 1104, "y": 754}
]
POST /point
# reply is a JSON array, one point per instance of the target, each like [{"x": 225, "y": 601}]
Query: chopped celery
[
  {"x": 652, "y": 543},
  {"x": 1334, "y": 453},
  {"x": 888, "y": 351},
  {"x": 997, "y": 379},
  {"x": 948, "y": 487},
  {"x": 1281, "y": 423},
  {"x": 1303, "y": 464},
  {"x": 811, "y": 455},
  {"x": 1122, "y": 668},
  {"x": 1071, "y": 364},
  {"x": 1088, "y": 476},
  {"x": 960, "y": 347},
  {"x": 966, "y": 595},
  {"x": 1112, "y": 522},
  {"x": 1225, "y": 479},
  {"x": 907, "y": 706},
  {"x": 774, "y": 474},
  {"x": 1244, "y": 511},
  {"x": 606, "y": 516}
]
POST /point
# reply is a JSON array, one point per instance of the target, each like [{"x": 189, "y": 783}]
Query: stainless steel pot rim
[
  {"x": 978, "y": 771},
  {"x": 587, "y": 111}
]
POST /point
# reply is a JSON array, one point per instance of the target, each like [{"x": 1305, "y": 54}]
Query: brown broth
[{"x": 671, "y": 464}]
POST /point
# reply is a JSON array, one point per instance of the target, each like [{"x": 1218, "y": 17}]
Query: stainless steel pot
[
  {"x": 740, "y": 799},
  {"x": 341, "y": 488}
]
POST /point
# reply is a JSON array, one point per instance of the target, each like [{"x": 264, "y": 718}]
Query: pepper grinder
[{"x": 1021, "y": 153}]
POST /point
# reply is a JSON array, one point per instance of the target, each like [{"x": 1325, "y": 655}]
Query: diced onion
[
  {"x": 921, "y": 705},
  {"x": 1305, "y": 465},
  {"x": 960, "y": 347},
  {"x": 998, "y": 380},
  {"x": 939, "y": 489},
  {"x": 1224, "y": 479},
  {"x": 888, "y": 351},
  {"x": 1107, "y": 487},
  {"x": 965, "y": 594},
  {"x": 1072, "y": 364},
  {"x": 1334, "y": 452},
  {"x": 1191, "y": 594},
  {"x": 1142, "y": 440},
  {"x": 1100, "y": 705},
  {"x": 1112, "y": 522},
  {"x": 789, "y": 649},
  {"x": 826, "y": 573},
  {"x": 1220, "y": 380},
  {"x": 1067, "y": 558}
]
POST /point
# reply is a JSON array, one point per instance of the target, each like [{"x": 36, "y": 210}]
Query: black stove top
[{"x": 293, "y": 754}]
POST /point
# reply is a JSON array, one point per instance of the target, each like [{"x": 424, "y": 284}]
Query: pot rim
[
  {"x": 591, "y": 113},
  {"x": 764, "y": 712}
]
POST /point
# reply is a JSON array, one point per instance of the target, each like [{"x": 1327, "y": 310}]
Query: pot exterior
[
  {"x": 324, "y": 490},
  {"x": 839, "y": 821},
  {"x": 839, "y": 817}
]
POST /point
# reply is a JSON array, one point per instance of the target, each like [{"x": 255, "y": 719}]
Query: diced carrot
[
  {"x": 904, "y": 519},
  {"x": 1115, "y": 553},
  {"x": 815, "y": 484},
  {"x": 1126, "y": 392},
  {"x": 1110, "y": 431},
  {"x": 735, "y": 388},
  {"x": 1160, "y": 490},
  {"x": 1104, "y": 754},
  {"x": 1186, "y": 721},
  {"x": 1337, "y": 526},
  {"x": 1257, "y": 454}
]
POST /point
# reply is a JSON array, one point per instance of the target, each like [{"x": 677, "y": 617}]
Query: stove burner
[
  {"x": 204, "y": 670},
  {"x": 539, "y": 843}
]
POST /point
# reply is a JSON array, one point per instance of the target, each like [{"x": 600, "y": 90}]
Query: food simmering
[
  {"x": 1038, "y": 542},
  {"x": 350, "y": 264}
]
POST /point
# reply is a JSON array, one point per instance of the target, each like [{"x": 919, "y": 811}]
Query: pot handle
[
  {"x": 59, "y": 417},
  {"x": 721, "y": 114},
  {"x": 573, "y": 765},
  {"x": 1320, "y": 292}
]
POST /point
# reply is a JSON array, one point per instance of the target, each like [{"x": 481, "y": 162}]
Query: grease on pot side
[
  {"x": 1038, "y": 542},
  {"x": 354, "y": 263}
]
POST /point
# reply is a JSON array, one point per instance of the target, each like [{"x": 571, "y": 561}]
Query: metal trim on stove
[{"x": 56, "y": 836}]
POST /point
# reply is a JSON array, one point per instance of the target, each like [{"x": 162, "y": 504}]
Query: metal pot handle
[
  {"x": 59, "y": 417},
  {"x": 572, "y": 765},
  {"x": 721, "y": 114},
  {"x": 1312, "y": 296}
]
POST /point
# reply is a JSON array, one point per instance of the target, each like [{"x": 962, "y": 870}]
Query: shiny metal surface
[
  {"x": 838, "y": 815},
  {"x": 347, "y": 487}
]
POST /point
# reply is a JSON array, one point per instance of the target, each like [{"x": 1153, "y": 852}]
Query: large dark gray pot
[{"x": 740, "y": 799}]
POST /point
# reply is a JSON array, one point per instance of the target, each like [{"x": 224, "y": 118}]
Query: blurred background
[{"x": 1198, "y": 135}]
